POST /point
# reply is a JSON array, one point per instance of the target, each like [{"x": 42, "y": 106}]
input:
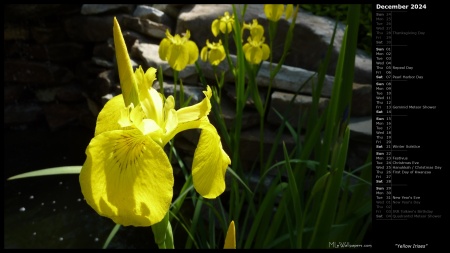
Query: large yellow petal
[
  {"x": 210, "y": 164},
  {"x": 127, "y": 177},
  {"x": 266, "y": 51},
  {"x": 210, "y": 160},
  {"x": 253, "y": 54},
  {"x": 217, "y": 54},
  {"x": 127, "y": 82},
  {"x": 109, "y": 116}
]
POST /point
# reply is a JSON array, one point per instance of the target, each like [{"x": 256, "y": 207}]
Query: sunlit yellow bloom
[
  {"x": 178, "y": 51},
  {"x": 230, "y": 239},
  {"x": 255, "y": 49},
  {"x": 213, "y": 52},
  {"x": 274, "y": 11},
  {"x": 289, "y": 11},
  {"x": 223, "y": 24},
  {"x": 127, "y": 175}
]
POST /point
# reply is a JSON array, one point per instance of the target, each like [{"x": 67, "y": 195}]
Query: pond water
[{"x": 49, "y": 211}]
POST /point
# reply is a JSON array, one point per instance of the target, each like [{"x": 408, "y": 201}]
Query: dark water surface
[{"x": 49, "y": 211}]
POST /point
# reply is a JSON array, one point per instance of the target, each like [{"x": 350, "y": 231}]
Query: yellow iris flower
[
  {"x": 224, "y": 24},
  {"x": 255, "y": 49},
  {"x": 289, "y": 11},
  {"x": 127, "y": 175},
  {"x": 178, "y": 51},
  {"x": 213, "y": 52},
  {"x": 275, "y": 11}
]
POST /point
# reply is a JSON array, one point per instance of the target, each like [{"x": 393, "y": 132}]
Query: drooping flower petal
[
  {"x": 266, "y": 51},
  {"x": 179, "y": 57},
  {"x": 127, "y": 177},
  {"x": 216, "y": 56},
  {"x": 252, "y": 54},
  {"x": 215, "y": 27},
  {"x": 210, "y": 163},
  {"x": 163, "y": 49},
  {"x": 225, "y": 27},
  {"x": 193, "y": 51}
]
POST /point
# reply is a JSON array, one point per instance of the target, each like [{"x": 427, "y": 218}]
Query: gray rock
[
  {"x": 155, "y": 15},
  {"x": 94, "y": 9},
  {"x": 145, "y": 26}
]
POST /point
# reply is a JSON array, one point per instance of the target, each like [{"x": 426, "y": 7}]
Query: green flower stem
[
  {"x": 219, "y": 84},
  {"x": 273, "y": 72},
  {"x": 241, "y": 96},
  {"x": 272, "y": 33},
  {"x": 227, "y": 54},
  {"x": 162, "y": 232},
  {"x": 287, "y": 46},
  {"x": 175, "y": 81}
]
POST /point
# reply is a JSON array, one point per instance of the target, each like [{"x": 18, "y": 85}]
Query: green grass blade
[
  {"x": 316, "y": 189},
  {"x": 178, "y": 202},
  {"x": 234, "y": 174},
  {"x": 293, "y": 189},
  {"x": 189, "y": 234},
  {"x": 325, "y": 218},
  {"x": 275, "y": 223},
  {"x": 195, "y": 221},
  {"x": 266, "y": 206},
  {"x": 49, "y": 172},
  {"x": 111, "y": 235}
]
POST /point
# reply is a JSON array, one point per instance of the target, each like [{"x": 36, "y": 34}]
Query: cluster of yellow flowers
[{"x": 180, "y": 51}]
